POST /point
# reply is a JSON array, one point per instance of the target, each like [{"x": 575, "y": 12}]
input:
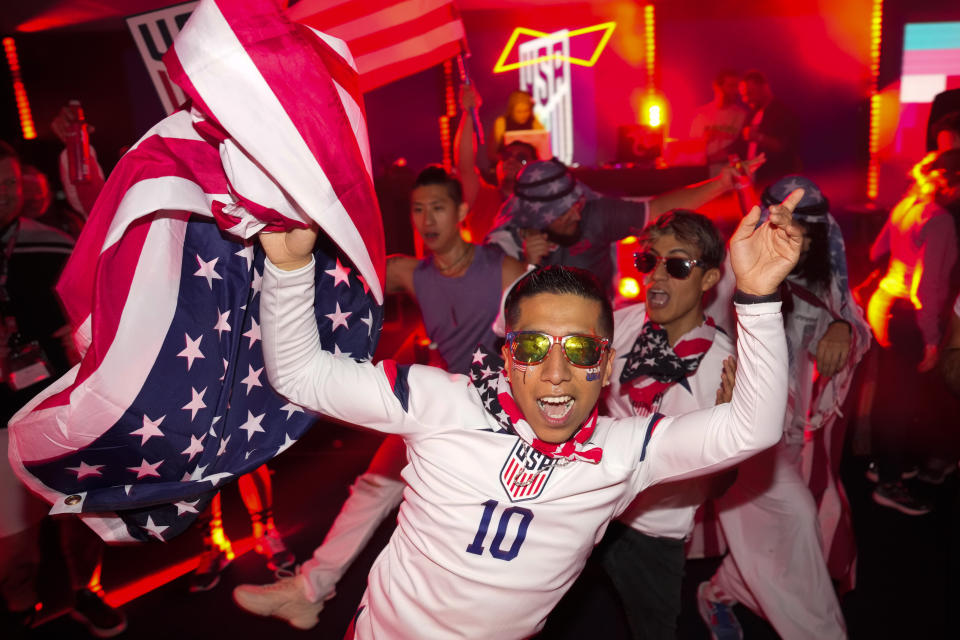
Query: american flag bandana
[
  {"x": 487, "y": 375},
  {"x": 652, "y": 365},
  {"x": 170, "y": 399}
]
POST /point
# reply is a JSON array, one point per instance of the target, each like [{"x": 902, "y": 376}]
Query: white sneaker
[{"x": 283, "y": 599}]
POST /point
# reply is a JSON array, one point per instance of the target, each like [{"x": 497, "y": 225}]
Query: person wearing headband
[
  {"x": 513, "y": 476},
  {"x": 776, "y": 563},
  {"x": 553, "y": 218}
]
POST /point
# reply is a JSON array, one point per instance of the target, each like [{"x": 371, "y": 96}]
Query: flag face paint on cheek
[{"x": 593, "y": 373}]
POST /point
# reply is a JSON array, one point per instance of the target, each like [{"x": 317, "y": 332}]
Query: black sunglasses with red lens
[{"x": 677, "y": 267}]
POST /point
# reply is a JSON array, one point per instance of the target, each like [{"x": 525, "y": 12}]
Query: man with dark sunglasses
[
  {"x": 513, "y": 477},
  {"x": 670, "y": 359}
]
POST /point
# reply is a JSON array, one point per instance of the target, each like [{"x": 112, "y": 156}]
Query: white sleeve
[
  {"x": 708, "y": 440},
  {"x": 379, "y": 397}
]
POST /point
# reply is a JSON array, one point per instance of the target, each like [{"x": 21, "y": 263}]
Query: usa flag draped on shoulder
[
  {"x": 170, "y": 399},
  {"x": 390, "y": 39}
]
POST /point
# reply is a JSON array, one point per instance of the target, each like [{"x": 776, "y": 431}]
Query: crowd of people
[{"x": 552, "y": 430}]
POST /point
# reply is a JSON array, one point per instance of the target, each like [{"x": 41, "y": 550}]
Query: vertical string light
[
  {"x": 650, "y": 39},
  {"x": 451, "y": 112},
  {"x": 876, "y": 36},
  {"x": 653, "y": 109},
  {"x": 19, "y": 92}
]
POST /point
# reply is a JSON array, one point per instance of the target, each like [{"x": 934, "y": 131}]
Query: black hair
[
  {"x": 524, "y": 145},
  {"x": 754, "y": 76},
  {"x": 558, "y": 279},
  {"x": 723, "y": 74},
  {"x": 435, "y": 174},
  {"x": 690, "y": 227}
]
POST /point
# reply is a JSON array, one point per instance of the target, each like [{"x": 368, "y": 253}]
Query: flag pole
[{"x": 465, "y": 79}]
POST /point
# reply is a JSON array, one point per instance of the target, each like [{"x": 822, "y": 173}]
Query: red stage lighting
[{"x": 19, "y": 92}]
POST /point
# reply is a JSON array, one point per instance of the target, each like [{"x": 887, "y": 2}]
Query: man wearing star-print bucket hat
[
  {"x": 553, "y": 218},
  {"x": 512, "y": 475}
]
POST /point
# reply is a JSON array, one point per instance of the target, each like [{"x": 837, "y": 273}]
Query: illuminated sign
[
  {"x": 606, "y": 27},
  {"x": 545, "y": 75}
]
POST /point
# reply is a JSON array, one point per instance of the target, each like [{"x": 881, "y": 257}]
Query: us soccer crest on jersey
[{"x": 525, "y": 472}]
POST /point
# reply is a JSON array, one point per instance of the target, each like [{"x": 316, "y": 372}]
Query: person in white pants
[
  {"x": 776, "y": 565},
  {"x": 374, "y": 494}
]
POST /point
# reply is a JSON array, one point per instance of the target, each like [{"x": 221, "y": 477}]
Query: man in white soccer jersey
[{"x": 513, "y": 478}]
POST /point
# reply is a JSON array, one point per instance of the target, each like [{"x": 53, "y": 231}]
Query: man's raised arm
[
  {"x": 299, "y": 369},
  {"x": 704, "y": 441}
]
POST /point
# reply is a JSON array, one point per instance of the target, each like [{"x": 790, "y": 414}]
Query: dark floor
[{"x": 906, "y": 573}]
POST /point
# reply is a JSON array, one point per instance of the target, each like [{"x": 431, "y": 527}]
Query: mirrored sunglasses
[{"x": 531, "y": 347}]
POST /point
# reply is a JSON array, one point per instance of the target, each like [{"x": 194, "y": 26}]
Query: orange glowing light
[
  {"x": 629, "y": 287},
  {"x": 650, "y": 38},
  {"x": 876, "y": 36},
  {"x": 94, "y": 583},
  {"x": 19, "y": 91},
  {"x": 606, "y": 27},
  {"x": 629, "y": 240}
]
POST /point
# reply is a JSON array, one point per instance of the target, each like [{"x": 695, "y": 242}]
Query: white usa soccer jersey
[
  {"x": 473, "y": 557},
  {"x": 666, "y": 511}
]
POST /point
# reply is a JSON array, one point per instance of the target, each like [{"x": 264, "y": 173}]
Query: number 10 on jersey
[{"x": 506, "y": 516}]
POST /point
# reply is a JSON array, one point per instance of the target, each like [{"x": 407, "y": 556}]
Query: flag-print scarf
[
  {"x": 488, "y": 376},
  {"x": 652, "y": 365}
]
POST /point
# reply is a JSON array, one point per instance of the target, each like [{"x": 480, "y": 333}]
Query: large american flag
[
  {"x": 390, "y": 39},
  {"x": 170, "y": 399}
]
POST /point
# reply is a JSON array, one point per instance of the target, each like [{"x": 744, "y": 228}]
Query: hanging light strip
[
  {"x": 19, "y": 92},
  {"x": 876, "y": 36}
]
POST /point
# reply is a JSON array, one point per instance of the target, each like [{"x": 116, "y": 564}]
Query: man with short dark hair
[
  {"x": 670, "y": 360},
  {"x": 513, "y": 477}
]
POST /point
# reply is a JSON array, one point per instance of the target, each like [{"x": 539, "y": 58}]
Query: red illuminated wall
[{"x": 814, "y": 51}]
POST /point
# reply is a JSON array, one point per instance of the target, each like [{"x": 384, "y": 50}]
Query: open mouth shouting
[
  {"x": 657, "y": 298},
  {"x": 556, "y": 409}
]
